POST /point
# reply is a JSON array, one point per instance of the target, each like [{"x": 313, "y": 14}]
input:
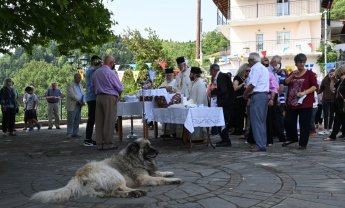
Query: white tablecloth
[
  {"x": 190, "y": 117},
  {"x": 135, "y": 109}
]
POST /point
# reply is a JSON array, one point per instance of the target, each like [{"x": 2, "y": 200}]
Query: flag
[
  {"x": 135, "y": 75},
  {"x": 310, "y": 45},
  {"x": 152, "y": 75},
  {"x": 285, "y": 49},
  {"x": 212, "y": 60},
  {"x": 263, "y": 53},
  {"x": 149, "y": 65},
  {"x": 163, "y": 64},
  {"x": 120, "y": 74},
  {"x": 134, "y": 66},
  {"x": 329, "y": 66},
  {"x": 311, "y": 66}
]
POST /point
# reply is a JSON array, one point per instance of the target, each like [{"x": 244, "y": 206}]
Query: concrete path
[{"x": 216, "y": 178}]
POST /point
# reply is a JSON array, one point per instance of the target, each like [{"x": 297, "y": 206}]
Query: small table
[
  {"x": 190, "y": 118},
  {"x": 133, "y": 109}
]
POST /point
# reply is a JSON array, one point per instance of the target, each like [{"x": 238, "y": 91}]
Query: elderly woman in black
[
  {"x": 339, "y": 119},
  {"x": 8, "y": 107}
]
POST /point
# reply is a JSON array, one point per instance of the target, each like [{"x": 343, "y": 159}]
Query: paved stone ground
[{"x": 223, "y": 177}]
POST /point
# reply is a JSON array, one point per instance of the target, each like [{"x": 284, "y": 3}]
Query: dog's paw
[
  {"x": 174, "y": 181},
  {"x": 168, "y": 174},
  {"x": 137, "y": 193}
]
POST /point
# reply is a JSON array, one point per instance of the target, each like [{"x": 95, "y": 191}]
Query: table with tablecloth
[
  {"x": 190, "y": 117},
  {"x": 134, "y": 109}
]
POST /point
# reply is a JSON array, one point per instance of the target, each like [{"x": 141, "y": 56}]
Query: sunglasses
[{"x": 247, "y": 70}]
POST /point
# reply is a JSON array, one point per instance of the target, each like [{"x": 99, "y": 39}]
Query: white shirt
[{"x": 259, "y": 78}]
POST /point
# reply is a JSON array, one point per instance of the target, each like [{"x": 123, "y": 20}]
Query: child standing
[{"x": 31, "y": 107}]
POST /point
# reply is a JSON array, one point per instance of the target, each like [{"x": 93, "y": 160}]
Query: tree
[
  {"x": 332, "y": 56},
  {"x": 145, "y": 50},
  {"x": 213, "y": 42},
  {"x": 72, "y": 24},
  {"x": 338, "y": 10}
]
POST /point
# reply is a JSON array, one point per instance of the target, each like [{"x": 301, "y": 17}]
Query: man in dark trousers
[{"x": 225, "y": 95}]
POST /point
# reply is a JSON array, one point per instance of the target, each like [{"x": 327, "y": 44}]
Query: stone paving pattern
[{"x": 228, "y": 177}]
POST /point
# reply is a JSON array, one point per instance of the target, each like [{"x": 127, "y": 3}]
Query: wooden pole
[{"x": 197, "y": 42}]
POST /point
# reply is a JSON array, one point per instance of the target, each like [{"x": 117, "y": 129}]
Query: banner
[
  {"x": 135, "y": 75},
  {"x": 152, "y": 75}
]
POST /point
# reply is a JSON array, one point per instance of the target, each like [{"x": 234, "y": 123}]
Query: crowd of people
[{"x": 262, "y": 102}]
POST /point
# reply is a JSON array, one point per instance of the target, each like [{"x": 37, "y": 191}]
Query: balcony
[
  {"x": 274, "y": 47},
  {"x": 270, "y": 10}
]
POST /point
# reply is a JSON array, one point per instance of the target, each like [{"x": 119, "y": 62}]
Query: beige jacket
[{"x": 72, "y": 97}]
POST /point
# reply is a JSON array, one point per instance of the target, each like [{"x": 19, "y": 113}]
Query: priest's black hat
[
  {"x": 180, "y": 60},
  {"x": 169, "y": 70},
  {"x": 195, "y": 70}
]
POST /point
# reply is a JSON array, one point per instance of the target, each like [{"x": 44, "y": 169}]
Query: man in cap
[
  {"x": 169, "y": 81},
  {"x": 198, "y": 94},
  {"x": 198, "y": 90},
  {"x": 182, "y": 79}
]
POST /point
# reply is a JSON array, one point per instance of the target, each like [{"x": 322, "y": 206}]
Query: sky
[{"x": 171, "y": 19}]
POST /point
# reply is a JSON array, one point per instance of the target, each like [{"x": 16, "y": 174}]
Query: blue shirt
[{"x": 90, "y": 92}]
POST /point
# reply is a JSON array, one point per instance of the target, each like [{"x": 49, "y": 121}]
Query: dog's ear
[{"x": 133, "y": 147}]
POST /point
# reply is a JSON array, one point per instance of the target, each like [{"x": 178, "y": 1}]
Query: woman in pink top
[{"x": 299, "y": 102}]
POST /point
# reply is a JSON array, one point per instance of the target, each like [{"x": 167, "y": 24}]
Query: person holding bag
[
  {"x": 339, "y": 105},
  {"x": 300, "y": 97}
]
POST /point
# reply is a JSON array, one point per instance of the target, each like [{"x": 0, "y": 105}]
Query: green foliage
[
  {"x": 332, "y": 56},
  {"x": 146, "y": 50},
  {"x": 118, "y": 49},
  {"x": 40, "y": 75},
  {"x": 338, "y": 10},
  {"x": 72, "y": 24},
  {"x": 130, "y": 87},
  {"x": 213, "y": 42}
]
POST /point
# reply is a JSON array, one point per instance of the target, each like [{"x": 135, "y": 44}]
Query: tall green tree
[
  {"x": 72, "y": 24},
  {"x": 213, "y": 42}
]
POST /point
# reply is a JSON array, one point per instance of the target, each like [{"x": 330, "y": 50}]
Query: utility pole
[
  {"x": 325, "y": 39},
  {"x": 198, "y": 21}
]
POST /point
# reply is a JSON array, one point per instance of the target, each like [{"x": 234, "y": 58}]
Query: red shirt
[{"x": 300, "y": 84}]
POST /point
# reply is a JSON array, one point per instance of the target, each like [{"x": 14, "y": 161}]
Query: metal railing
[
  {"x": 291, "y": 8},
  {"x": 42, "y": 113},
  {"x": 277, "y": 47}
]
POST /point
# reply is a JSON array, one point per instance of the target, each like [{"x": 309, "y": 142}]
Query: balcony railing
[
  {"x": 291, "y": 8},
  {"x": 277, "y": 47}
]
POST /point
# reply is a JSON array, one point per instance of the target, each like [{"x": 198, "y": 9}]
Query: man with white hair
[
  {"x": 257, "y": 90},
  {"x": 108, "y": 89}
]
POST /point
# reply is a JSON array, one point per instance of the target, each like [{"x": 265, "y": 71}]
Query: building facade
[{"x": 271, "y": 27}]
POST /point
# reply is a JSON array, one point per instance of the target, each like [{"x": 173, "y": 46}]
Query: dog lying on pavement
[{"x": 116, "y": 176}]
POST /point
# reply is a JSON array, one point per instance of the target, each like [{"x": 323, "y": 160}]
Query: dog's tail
[{"x": 71, "y": 190}]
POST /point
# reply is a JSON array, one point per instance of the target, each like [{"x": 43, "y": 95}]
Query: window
[
  {"x": 283, "y": 37},
  {"x": 283, "y": 7},
  {"x": 259, "y": 42}
]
